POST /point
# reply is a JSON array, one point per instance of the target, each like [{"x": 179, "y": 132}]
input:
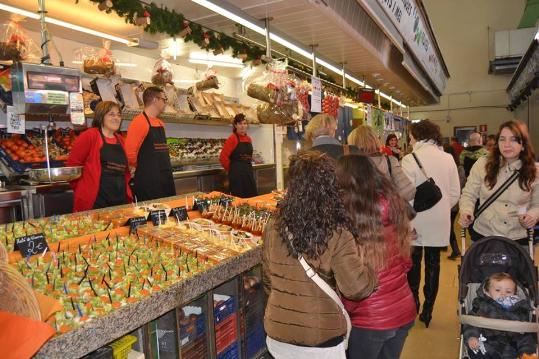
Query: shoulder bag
[{"x": 427, "y": 193}]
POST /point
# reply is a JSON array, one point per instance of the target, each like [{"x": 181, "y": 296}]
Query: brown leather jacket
[{"x": 298, "y": 311}]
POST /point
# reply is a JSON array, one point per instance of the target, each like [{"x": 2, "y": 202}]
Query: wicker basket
[{"x": 16, "y": 296}]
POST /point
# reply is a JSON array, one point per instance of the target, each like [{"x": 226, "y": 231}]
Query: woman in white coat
[{"x": 433, "y": 225}]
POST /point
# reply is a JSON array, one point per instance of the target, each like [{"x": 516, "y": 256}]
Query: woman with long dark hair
[
  {"x": 380, "y": 323},
  {"x": 302, "y": 320},
  {"x": 236, "y": 158},
  {"x": 392, "y": 144},
  {"x": 517, "y": 207}
]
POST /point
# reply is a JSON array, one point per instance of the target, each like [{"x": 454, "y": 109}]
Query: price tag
[
  {"x": 158, "y": 217},
  {"x": 180, "y": 213},
  {"x": 134, "y": 222},
  {"x": 15, "y": 122},
  {"x": 31, "y": 245}
]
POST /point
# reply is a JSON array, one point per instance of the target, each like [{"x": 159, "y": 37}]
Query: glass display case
[
  {"x": 163, "y": 337},
  {"x": 252, "y": 313},
  {"x": 226, "y": 320},
  {"x": 193, "y": 330}
]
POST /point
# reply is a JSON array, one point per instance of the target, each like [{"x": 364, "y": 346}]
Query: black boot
[
  {"x": 414, "y": 275},
  {"x": 455, "y": 251},
  {"x": 432, "y": 279}
]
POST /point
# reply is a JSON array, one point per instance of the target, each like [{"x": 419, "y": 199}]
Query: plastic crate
[
  {"x": 226, "y": 333},
  {"x": 122, "y": 346},
  {"x": 255, "y": 341},
  {"x": 224, "y": 309},
  {"x": 232, "y": 352}
]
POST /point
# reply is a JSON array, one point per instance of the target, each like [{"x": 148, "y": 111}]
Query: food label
[
  {"x": 31, "y": 245},
  {"x": 15, "y": 122},
  {"x": 180, "y": 213},
  {"x": 134, "y": 222},
  {"x": 158, "y": 217}
]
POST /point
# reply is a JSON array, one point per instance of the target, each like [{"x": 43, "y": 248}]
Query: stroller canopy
[{"x": 498, "y": 254}]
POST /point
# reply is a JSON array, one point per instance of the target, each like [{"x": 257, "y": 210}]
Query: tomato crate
[
  {"x": 197, "y": 349},
  {"x": 231, "y": 352},
  {"x": 226, "y": 333},
  {"x": 223, "y": 306}
]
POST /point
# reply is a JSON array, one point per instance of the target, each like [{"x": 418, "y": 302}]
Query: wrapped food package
[
  {"x": 280, "y": 115},
  {"x": 98, "y": 62},
  {"x": 162, "y": 73},
  {"x": 172, "y": 96},
  {"x": 210, "y": 83},
  {"x": 15, "y": 45}
]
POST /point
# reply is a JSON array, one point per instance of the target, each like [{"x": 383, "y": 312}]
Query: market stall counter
[{"x": 111, "y": 279}]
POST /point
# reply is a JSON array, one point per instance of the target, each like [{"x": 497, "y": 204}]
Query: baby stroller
[{"x": 488, "y": 256}]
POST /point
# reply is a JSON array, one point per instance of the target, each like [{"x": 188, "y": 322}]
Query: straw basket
[{"x": 16, "y": 296}]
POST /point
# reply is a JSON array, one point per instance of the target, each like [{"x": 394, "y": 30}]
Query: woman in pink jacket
[{"x": 380, "y": 323}]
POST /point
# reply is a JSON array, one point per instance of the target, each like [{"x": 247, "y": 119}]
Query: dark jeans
[
  {"x": 377, "y": 344},
  {"x": 432, "y": 275}
]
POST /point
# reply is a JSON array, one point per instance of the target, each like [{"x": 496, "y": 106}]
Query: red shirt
[
  {"x": 136, "y": 133},
  {"x": 86, "y": 152},
  {"x": 392, "y": 305},
  {"x": 229, "y": 147}
]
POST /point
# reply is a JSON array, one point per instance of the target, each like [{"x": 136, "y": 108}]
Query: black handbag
[{"x": 428, "y": 193}]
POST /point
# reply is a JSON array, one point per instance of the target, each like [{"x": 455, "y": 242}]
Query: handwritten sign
[
  {"x": 31, "y": 245},
  {"x": 158, "y": 217},
  {"x": 180, "y": 213},
  {"x": 316, "y": 97},
  {"x": 134, "y": 222},
  {"x": 15, "y": 122}
]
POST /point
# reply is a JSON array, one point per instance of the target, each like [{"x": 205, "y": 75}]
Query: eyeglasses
[{"x": 165, "y": 100}]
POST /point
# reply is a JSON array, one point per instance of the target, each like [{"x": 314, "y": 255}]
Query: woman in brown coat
[{"x": 301, "y": 320}]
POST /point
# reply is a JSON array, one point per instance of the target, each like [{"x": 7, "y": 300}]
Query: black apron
[
  {"x": 153, "y": 177},
  {"x": 241, "y": 176},
  {"x": 112, "y": 189}
]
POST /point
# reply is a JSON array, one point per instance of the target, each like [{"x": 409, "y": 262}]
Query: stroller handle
[{"x": 530, "y": 231}]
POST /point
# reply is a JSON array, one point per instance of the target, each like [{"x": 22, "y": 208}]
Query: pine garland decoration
[{"x": 170, "y": 22}]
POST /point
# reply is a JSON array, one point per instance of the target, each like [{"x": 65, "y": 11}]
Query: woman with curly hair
[
  {"x": 433, "y": 225},
  {"x": 380, "y": 323},
  {"x": 517, "y": 208},
  {"x": 302, "y": 320}
]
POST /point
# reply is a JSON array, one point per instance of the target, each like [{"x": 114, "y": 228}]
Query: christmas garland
[{"x": 159, "y": 19}]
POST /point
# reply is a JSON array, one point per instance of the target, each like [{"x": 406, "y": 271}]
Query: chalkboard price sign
[
  {"x": 180, "y": 213},
  {"x": 134, "y": 222},
  {"x": 158, "y": 217},
  {"x": 31, "y": 245}
]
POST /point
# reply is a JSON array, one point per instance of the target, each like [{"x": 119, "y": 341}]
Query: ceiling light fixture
[
  {"x": 228, "y": 13},
  {"x": 216, "y": 63},
  {"x": 119, "y": 64},
  {"x": 68, "y": 25}
]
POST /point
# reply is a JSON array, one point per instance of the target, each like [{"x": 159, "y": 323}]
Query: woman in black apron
[
  {"x": 153, "y": 176},
  {"x": 236, "y": 157},
  {"x": 100, "y": 151}
]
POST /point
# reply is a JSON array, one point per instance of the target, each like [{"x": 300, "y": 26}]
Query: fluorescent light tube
[
  {"x": 329, "y": 66},
  {"x": 216, "y": 63},
  {"x": 228, "y": 14},
  {"x": 68, "y": 25},
  {"x": 291, "y": 46}
]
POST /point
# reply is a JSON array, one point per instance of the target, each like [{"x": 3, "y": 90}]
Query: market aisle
[{"x": 440, "y": 340}]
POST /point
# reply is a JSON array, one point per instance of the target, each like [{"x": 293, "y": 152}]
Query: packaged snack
[
  {"x": 15, "y": 45},
  {"x": 98, "y": 62},
  {"x": 162, "y": 72}
]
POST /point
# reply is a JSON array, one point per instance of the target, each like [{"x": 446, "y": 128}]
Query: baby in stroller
[{"x": 497, "y": 298}]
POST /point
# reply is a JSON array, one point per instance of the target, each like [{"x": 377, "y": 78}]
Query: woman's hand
[
  {"x": 473, "y": 343},
  {"x": 466, "y": 219},
  {"x": 527, "y": 220}
]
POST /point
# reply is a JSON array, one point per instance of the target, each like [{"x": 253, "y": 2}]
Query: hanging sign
[
  {"x": 15, "y": 122},
  {"x": 408, "y": 18},
  {"x": 76, "y": 108},
  {"x": 316, "y": 97}
]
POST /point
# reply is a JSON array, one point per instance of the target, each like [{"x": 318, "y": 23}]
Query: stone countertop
[{"x": 101, "y": 331}]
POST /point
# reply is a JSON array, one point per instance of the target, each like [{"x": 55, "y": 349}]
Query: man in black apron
[
  {"x": 112, "y": 190},
  {"x": 153, "y": 175}
]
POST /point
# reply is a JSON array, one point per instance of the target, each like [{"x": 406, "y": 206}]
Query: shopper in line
[
  {"x": 392, "y": 143},
  {"x": 491, "y": 143},
  {"x": 147, "y": 150},
  {"x": 515, "y": 209},
  {"x": 365, "y": 139},
  {"x": 457, "y": 146},
  {"x": 302, "y": 320},
  {"x": 320, "y": 131},
  {"x": 472, "y": 153},
  {"x": 100, "y": 151},
  {"x": 236, "y": 158},
  {"x": 433, "y": 225},
  {"x": 455, "y": 251},
  {"x": 380, "y": 323}
]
